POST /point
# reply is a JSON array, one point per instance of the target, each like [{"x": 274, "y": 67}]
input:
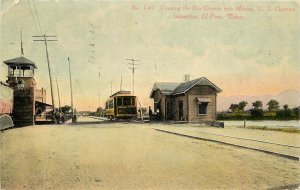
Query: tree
[
  {"x": 273, "y": 105},
  {"x": 286, "y": 113},
  {"x": 257, "y": 104},
  {"x": 234, "y": 107},
  {"x": 296, "y": 111},
  {"x": 242, "y": 105},
  {"x": 66, "y": 109},
  {"x": 257, "y": 111},
  {"x": 99, "y": 111}
]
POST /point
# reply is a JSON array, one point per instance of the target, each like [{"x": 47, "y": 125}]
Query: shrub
[
  {"x": 285, "y": 114},
  {"x": 256, "y": 113}
]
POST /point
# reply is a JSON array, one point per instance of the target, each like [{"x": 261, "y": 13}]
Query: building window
[{"x": 202, "y": 108}]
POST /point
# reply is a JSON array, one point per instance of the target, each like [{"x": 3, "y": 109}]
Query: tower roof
[{"x": 20, "y": 62}]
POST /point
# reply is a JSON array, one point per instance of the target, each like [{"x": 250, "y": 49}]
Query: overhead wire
[
  {"x": 32, "y": 16},
  {"x": 37, "y": 16}
]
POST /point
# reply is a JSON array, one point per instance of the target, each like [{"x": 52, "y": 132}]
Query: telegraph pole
[
  {"x": 111, "y": 86},
  {"x": 71, "y": 89},
  {"x": 44, "y": 39},
  {"x": 92, "y": 45},
  {"x": 132, "y": 66},
  {"x": 22, "y": 51},
  {"x": 59, "y": 108},
  {"x": 99, "y": 104},
  {"x": 121, "y": 84},
  {"x": 99, "y": 91}
]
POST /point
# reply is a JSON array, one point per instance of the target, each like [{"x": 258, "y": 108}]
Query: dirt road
[{"x": 132, "y": 156}]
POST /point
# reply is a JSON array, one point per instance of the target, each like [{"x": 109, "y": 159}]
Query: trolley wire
[
  {"x": 37, "y": 15},
  {"x": 32, "y": 16}
]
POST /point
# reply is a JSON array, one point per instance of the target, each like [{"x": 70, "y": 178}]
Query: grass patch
[{"x": 281, "y": 129}]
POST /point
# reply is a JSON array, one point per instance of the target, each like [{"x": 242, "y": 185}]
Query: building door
[
  {"x": 180, "y": 109},
  {"x": 170, "y": 110}
]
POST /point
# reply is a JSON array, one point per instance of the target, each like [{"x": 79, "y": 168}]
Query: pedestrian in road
[
  {"x": 150, "y": 113},
  {"x": 158, "y": 114}
]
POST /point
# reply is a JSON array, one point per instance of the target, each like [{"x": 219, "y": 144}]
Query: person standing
[
  {"x": 150, "y": 113},
  {"x": 158, "y": 114}
]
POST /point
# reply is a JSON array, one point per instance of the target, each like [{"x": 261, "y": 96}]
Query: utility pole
[
  {"x": 99, "y": 104},
  {"x": 92, "y": 45},
  {"x": 156, "y": 72},
  {"x": 59, "y": 105},
  {"x": 22, "y": 51},
  {"x": 121, "y": 84},
  {"x": 44, "y": 39},
  {"x": 111, "y": 86},
  {"x": 73, "y": 120},
  {"x": 133, "y": 67},
  {"x": 99, "y": 88}
]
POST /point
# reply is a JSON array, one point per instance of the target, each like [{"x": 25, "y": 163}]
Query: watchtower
[
  {"x": 21, "y": 78},
  {"x": 20, "y": 73}
]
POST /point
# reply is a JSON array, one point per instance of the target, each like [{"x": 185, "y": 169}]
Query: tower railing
[{"x": 20, "y": 73}]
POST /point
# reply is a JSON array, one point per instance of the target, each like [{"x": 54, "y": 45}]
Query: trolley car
[{"x": 121, "y": 105}]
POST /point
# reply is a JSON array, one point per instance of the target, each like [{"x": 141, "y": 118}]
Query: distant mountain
[{"x": 289, "y": 97}]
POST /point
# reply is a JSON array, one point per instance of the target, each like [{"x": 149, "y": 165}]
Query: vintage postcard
[{"x": 164, "y": 94}]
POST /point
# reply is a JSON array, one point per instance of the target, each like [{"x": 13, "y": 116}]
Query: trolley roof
[{"x": 121, "y": 93}]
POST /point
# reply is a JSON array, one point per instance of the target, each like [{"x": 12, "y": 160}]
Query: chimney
[{"x": 186, "y": 78}]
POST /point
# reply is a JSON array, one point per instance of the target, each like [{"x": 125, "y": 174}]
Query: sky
[{"x": 254, "y": 55}]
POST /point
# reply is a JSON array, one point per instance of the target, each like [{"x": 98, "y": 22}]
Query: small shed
[{"x": 191, "y": 101}]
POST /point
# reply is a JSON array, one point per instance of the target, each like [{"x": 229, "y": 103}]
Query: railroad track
[
  {"x": 246, "y": 139},
  {"x": 271, "y": 152}
]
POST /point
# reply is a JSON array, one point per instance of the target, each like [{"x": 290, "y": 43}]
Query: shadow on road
[
  {"x": 103, "y": 121},
  {"x": 91, "y": 122}
]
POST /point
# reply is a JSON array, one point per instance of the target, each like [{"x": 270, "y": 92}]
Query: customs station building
[{"x": 191, "y": 101}]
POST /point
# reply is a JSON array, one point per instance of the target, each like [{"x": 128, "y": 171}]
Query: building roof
[
  {"x": 166, "y": 88},
  {"x": 39, "y": 104},
  {"x": 172, "y": 88},
  {"x": 20, "y": 61},
  {"x": 185, "y": 86}
]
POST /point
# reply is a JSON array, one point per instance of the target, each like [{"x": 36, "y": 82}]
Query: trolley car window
[
  {"x": 133, "y": 101},
  {"x": 111, "y": 104},
  {"x": 119, "y": 101},
  {"x": 126, "y": 101}
]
